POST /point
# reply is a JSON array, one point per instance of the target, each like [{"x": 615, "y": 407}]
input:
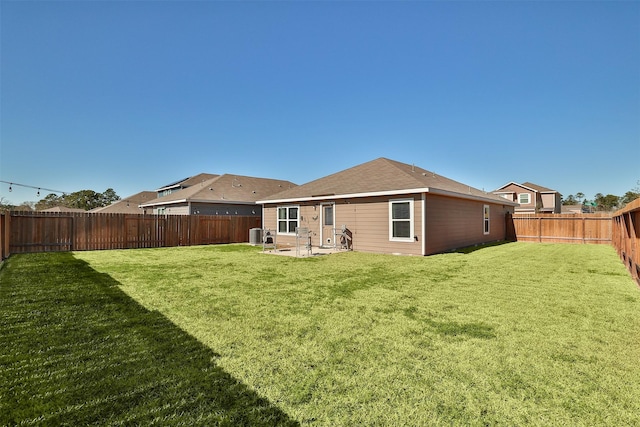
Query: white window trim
[
  {"x": 528, "y": 198},
  {"x": 411, "y": 221},
  {"x": 486, "y": 221},
  {"x": 287, "y": 207}
]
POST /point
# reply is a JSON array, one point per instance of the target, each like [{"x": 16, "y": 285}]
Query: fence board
[
  {"x": 562, "y": 228},
  {"x": 626, "y": 237},
  {"x": 22, "y": 232}
]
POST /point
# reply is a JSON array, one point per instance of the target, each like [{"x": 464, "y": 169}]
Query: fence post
[
  {"x": 6, "y": 243},
  {"x": 540, "y": 229}
]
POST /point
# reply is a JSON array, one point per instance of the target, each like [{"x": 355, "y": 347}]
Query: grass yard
[{"x": 514, "y": 334}]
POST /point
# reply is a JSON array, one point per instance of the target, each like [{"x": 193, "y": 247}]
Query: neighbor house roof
[
  {"x": 226, "y": 189},
  {"x": 528, "y": 186},
  {"x": 128, "y": 204},
  {"x": 187, "y": 182},
  {"x": 378, "y": 178},
  {"x": 62, "y": 209},
  {"x": 538, "y": 188}
]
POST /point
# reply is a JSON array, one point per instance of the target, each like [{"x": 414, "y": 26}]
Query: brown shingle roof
[
  {"x": 187, "y": 182},
  {"x": 380, "y": 176},
  {"x": 225, "y": 188},
  {"x": 128, "y": 204},
  {"x": 538, "y": 188},
  {"x": 62, "y": 209}
]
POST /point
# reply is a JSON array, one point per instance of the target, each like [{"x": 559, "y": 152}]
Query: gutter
[
  {"x": 168, "y": 202},
  {"x": 391, "y": 193}
]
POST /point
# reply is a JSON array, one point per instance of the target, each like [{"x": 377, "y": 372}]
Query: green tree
[
  {"x": 579, "y": 196},
  {"x": 570, "y": 200},
  {"x": 606, "y": 203},
  {"x": 5, "y": 206},
  {"x": 51, "y": 200},
  {"x": 631, "y": 195},
  {"x": 109, "y": 196},
  {"x": 83, "y": 199}
]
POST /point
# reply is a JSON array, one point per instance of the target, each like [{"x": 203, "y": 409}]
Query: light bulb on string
[
  {"x": 38, "y": 193},
  {"x": 10, "y": 189}
]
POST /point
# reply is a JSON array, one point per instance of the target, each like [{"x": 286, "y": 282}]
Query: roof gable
[
  {"x": 539, "y": 188},
  {"x": 380, "y": 176},
  {"x": 527, "y": 186}
]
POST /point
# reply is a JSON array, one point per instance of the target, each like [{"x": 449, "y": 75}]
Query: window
[
  {"x": 287, "y": 219},
  {"x": 401, "y": 220},
  {"x": 328, "y": 215},
  {"x": 486, "y": 219},
  {"x": 524, "y": 198}
]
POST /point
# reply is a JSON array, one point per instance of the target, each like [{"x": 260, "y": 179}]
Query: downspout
[{"x": 423, "y": 218}]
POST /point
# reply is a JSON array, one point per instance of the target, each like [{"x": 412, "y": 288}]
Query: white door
[{"x": 327, "y": 221}]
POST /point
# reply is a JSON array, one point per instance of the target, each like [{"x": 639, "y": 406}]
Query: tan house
[
  {"x": 128, "y": 205},
  {"x": 386, "y": 206},
  {"x": 531, "y": 198},
  {"x": 217, "y": 195}
]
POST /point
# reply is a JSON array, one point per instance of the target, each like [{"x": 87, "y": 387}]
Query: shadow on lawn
[
  {"x": 471, "y": 249},
  {"x": 80, "y": 351}
]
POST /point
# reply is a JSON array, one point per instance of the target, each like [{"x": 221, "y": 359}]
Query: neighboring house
[
  {"x": 129, "y": 205},
  {"x": 62, "y": 209},
  {"x": 386, "y": 206},
  {"x": 531, "y": 198},
  {"x": 220, "y": 195}
]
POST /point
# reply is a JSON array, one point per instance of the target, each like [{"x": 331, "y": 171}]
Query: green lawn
[{"x": 514, "y": 334}]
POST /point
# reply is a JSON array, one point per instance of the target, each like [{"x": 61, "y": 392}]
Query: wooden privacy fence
[
  {"x": 626, "y": 237},
  {"x": 562, "y": 228},
  {"x": 61, "y": 231}
]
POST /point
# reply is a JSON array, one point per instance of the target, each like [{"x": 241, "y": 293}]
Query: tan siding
[
  {"x": 451, "y": 223},
  {"x": 518, "y": 190},
  {"x": 175, "y": 210},
  {"x": 368, "y": 220},
  {"x": 552, "y": 200},
  {"x": 456, "y": 223}
]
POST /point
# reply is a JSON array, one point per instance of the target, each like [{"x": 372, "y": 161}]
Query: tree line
[
  {"x": 83, "y": 199},
  {"x": 600, "y": 202}
]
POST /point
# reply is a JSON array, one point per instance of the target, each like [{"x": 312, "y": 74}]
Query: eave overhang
[
  {"x": 430, "y": 190},
  {"x": 168, "y": 202}
]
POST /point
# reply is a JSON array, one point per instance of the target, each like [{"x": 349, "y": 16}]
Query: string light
[{"x": 11, "y": 184}]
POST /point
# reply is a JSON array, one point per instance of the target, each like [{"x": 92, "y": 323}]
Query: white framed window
[
  {"x": 401, "y": 220},
  {"x": 288, "y": 219},
  {"x": 486, "y": 219},
  {"x": 524, "y": 198}
]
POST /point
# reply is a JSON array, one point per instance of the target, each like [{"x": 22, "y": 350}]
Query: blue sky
[{"x": 132, "y": 95}]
